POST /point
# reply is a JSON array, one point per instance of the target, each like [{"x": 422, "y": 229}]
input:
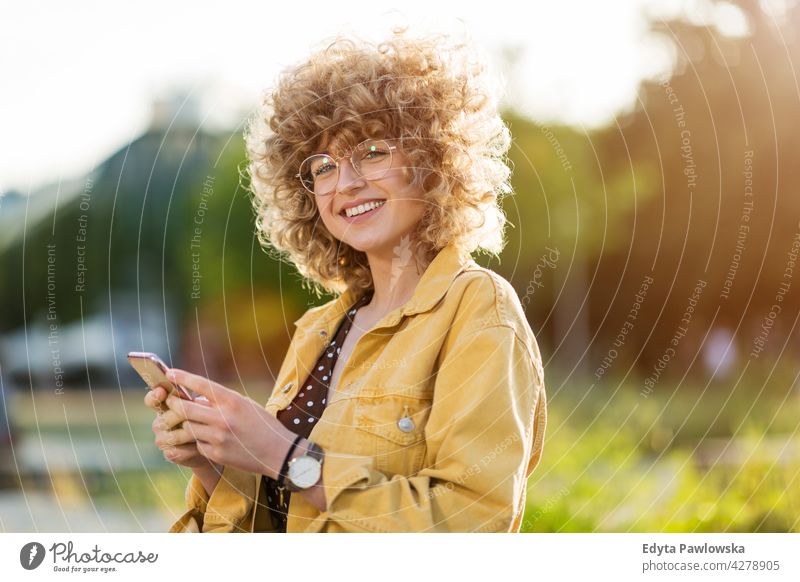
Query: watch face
[{"x": 305, "y": 471}]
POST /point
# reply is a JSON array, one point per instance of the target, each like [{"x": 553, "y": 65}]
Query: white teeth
[{"x": 350, "y": 212}]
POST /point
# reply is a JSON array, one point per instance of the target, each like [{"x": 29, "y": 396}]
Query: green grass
[{"x": 621, "y": 462}]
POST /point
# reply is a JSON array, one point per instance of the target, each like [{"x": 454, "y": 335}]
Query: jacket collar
[{"x": 433, "y": 285}]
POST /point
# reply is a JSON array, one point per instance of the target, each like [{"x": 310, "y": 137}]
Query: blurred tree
[
  {"x": 567, "y": 211},
  {"x": 730, "y": 107}
]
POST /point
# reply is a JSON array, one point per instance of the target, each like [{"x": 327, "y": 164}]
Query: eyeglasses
[{"x": 371, "y": 159}]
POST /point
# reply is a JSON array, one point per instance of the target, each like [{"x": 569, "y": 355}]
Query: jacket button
[
  {"x": 288, "y": 387},
  {"x": 323, "y": 333},
  {"x": 406, "y": 424}
]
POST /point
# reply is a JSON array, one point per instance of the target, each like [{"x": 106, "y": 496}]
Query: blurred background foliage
[{"x": 713, "y": 447}]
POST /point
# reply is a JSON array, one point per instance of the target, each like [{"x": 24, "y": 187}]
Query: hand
[
  {"x": 230, "y": 429},
  {"x": 174, "y": 441}
]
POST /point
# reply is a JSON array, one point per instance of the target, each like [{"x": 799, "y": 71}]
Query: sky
[{"x": 78, "y": 78}]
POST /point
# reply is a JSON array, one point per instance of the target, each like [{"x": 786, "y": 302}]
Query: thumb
[{"x": 207, "y": 388}]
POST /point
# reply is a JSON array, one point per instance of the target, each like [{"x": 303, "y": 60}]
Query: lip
[
  {"x": 363, "y": 217},
  {"x": 358, "y": 203}
]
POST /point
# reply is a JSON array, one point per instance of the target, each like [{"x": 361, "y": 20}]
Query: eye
[
  {"x": 324, "y": 168},
  {"x": 374, "y": 154}
]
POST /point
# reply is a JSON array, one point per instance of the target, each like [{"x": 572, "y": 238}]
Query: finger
[
  {"x": 191, "y": 410},
  {"x": 167, "y": 421},
  {"x": 199, "y": 384},
  {"x": 154, "y": 397},
  {"x": 173, "y": 438},
  {"x": 181, "y": 453},
  {"x": 199, "y": 432}
]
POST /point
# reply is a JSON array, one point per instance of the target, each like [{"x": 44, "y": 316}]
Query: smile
[{"x": 363, "y": 211}]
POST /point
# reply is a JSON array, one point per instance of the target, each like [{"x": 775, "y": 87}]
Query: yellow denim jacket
[{"x": 461, "y": 360}]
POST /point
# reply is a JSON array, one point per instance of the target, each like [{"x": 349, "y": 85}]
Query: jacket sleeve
[
  {"x": 228, "y": 509},
  {"x": 486, "y": 425}
]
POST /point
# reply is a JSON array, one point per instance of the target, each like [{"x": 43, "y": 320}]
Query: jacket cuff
[
  {"x": 189, "y": 522},
  {"x": 196, "y": 496},
  {"x": 196, "y": 502},
  {"x": 231, "y": 501},
  {"x": 226, "y": 509}
]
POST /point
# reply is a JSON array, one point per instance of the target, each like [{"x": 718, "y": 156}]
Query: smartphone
[{"x": 154, "y": 373}]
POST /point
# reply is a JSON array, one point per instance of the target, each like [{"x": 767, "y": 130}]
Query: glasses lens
[
  {"x": 318, "y": 174},
  {"x": 372, "y": 158}
]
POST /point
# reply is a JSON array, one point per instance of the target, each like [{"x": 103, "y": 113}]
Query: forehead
[
  {"x": 335, "y": 146},
  {"x": 341, "y": 140}
]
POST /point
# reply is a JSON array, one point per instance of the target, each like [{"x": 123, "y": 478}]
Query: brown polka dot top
[{"x": 308, "y": 406}]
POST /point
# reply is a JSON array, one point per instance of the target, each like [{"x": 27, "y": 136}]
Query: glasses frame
[{"x": 352, "y": 164}]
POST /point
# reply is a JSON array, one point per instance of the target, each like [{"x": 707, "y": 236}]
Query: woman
[{"x": 414, "y": 401}]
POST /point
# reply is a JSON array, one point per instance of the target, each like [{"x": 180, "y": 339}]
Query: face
[{"x": 379, "y": 231}]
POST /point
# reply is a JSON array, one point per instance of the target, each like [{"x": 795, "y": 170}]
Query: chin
[{"x": 365, "y": 246}]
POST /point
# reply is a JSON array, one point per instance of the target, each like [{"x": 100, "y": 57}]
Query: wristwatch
[{"x": 304, "y": 471}]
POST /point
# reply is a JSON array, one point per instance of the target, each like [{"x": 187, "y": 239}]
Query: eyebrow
[{"x": 335, "y": 147}]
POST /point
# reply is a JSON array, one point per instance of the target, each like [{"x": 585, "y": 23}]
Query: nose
[{"x": 348, "y": 177}]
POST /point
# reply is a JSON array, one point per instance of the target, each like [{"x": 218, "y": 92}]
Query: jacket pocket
[{"x": 393, "y": 420}]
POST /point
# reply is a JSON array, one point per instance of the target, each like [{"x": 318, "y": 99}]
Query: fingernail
[{"x": 171, "y": 375}]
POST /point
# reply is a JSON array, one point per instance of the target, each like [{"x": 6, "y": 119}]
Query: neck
[{"x": 395, "y": 275}]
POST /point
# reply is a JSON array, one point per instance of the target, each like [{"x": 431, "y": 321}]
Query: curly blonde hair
[{"x": 434, "y": 96}]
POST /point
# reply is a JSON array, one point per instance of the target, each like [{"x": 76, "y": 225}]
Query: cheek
[
  {"x": 407, "y": 212},
  {"x": 324, "y": 210},
  {"x": 323, "y": 206},
  {"x": 403, "y": 192},
  {"x": 412, "y": 203}
]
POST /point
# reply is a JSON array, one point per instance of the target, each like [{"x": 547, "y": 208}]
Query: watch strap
[
  {"x": 285, "y": 467},
  {"x": 315, "y": 451}
]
